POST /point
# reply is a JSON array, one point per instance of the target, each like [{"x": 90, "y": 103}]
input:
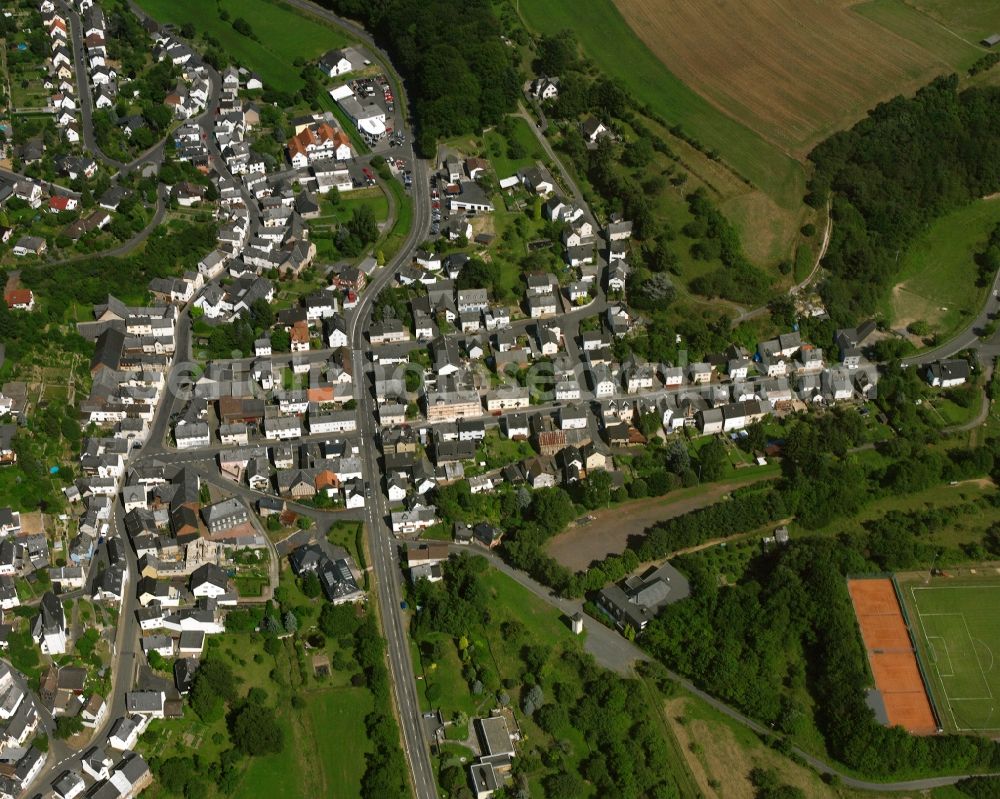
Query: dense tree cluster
[
  {"x": 910, "y": 161},
  {"x": 254, "y": 729},
  {"x": 988, "y": 258},
  {"x": 738, "y": 279},
  {"x": 767, "y": 785},
  {"x": 628, "y": 754},
  {"x": 743, "y": 512},
  {"x": 167, "y": 253},
  {"x": 214, "y": 686},
  {"x": 460, "y": 75},
  {"x": 782, "y": 644},
  {"x": 461, "y": 605},
  {"x": 357, "y": 232},
  {"x": 987, "y": 62},
  {"x": 238, "y": 336},
  {"x": 385, "y": 771},
  {"x": 980, "y": 787}
]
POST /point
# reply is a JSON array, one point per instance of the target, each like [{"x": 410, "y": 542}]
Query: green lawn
[
  {"x": 373, "y": 198},
  {"x": 525, "y": 141},
  {"x": 250, "y": 585},
  {"x": 499, "y": 450},
  {"x": 957, "y": 628},
  {"x": 345, "y": 534},
  {"x": 614, "y": 48},
  {"x": 952, "y": 413},
  {"x": 336, "y": 719},
  {"x": 277, "y": 775},
  {"x": 325, "y": 744},
  {"x": 938, "y": 275},
  {"x": 283, "y": 34},
  {"x": 542, "y": 620},
  {"x": 972, "y": 19},
  {"x": 397, "y": 234}
]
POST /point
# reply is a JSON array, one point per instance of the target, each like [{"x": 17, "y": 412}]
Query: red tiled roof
[{"x": 16, "y": 297}]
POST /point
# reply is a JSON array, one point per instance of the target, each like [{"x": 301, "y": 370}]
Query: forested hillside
[
  {"x": 787, "y": 632},
  {"x": 459, "y": 74},
  {"x": 909, "y": 162}
]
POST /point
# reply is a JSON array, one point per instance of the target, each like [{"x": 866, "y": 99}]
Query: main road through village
[{"x": 609, "y": 648}]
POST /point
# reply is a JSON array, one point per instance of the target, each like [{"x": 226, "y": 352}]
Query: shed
[{"x": 991, "y": 41}]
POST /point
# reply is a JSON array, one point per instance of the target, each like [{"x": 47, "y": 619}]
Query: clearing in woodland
[
  {"x": 795, "y": 71},
  {"x": 938, "y": 276}
]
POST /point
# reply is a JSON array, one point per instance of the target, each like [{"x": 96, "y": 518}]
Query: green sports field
[{"x": 957, "y": 627}]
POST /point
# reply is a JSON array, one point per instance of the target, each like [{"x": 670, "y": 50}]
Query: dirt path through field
[{"x": 610, "y": 529}]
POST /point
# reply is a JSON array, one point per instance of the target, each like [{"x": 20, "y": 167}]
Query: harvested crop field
[{"x": 792, "y": 70}]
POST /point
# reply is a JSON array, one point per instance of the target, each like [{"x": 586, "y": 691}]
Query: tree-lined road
[{"x": 382, "y": 546}]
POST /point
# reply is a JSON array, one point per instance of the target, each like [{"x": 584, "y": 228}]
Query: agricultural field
[
  {"x": 903, "y": 18},
  {"x": 938, "y": 275},
  {"x": 796, "y": 72},
  {"x": 281, "y": 35},
  {"x": 611, "y": 44},
  {"x": 956, "y": 623},
  {"x": 969, "y": 19}
]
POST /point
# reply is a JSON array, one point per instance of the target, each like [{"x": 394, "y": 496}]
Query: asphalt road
[
  {"x": 83, "y": 92},
  {"x": 133, "y": 243},
  {"x": 383, "y": 549},
  {"x": 385, "y": 563}
]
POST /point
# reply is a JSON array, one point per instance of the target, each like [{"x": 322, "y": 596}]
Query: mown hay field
[
  {"x": 792, "y": 70},
  {"x": 973, "y": 20}
]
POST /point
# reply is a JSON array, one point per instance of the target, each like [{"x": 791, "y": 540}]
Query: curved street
[
  {"x": 608, "y": 648},
  {"x": 125, "y": 248}
]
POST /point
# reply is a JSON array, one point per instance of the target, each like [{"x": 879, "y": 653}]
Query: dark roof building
[{"x": 638, "y": 599}]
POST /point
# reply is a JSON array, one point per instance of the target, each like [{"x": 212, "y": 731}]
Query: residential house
[{"x": 948, "y": 373}]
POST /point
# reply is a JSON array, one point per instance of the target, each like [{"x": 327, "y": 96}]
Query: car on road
[{"x": 368, "y": 491}]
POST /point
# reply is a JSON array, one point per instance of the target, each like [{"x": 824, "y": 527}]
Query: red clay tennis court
[{"x": 890, "y": 653}]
